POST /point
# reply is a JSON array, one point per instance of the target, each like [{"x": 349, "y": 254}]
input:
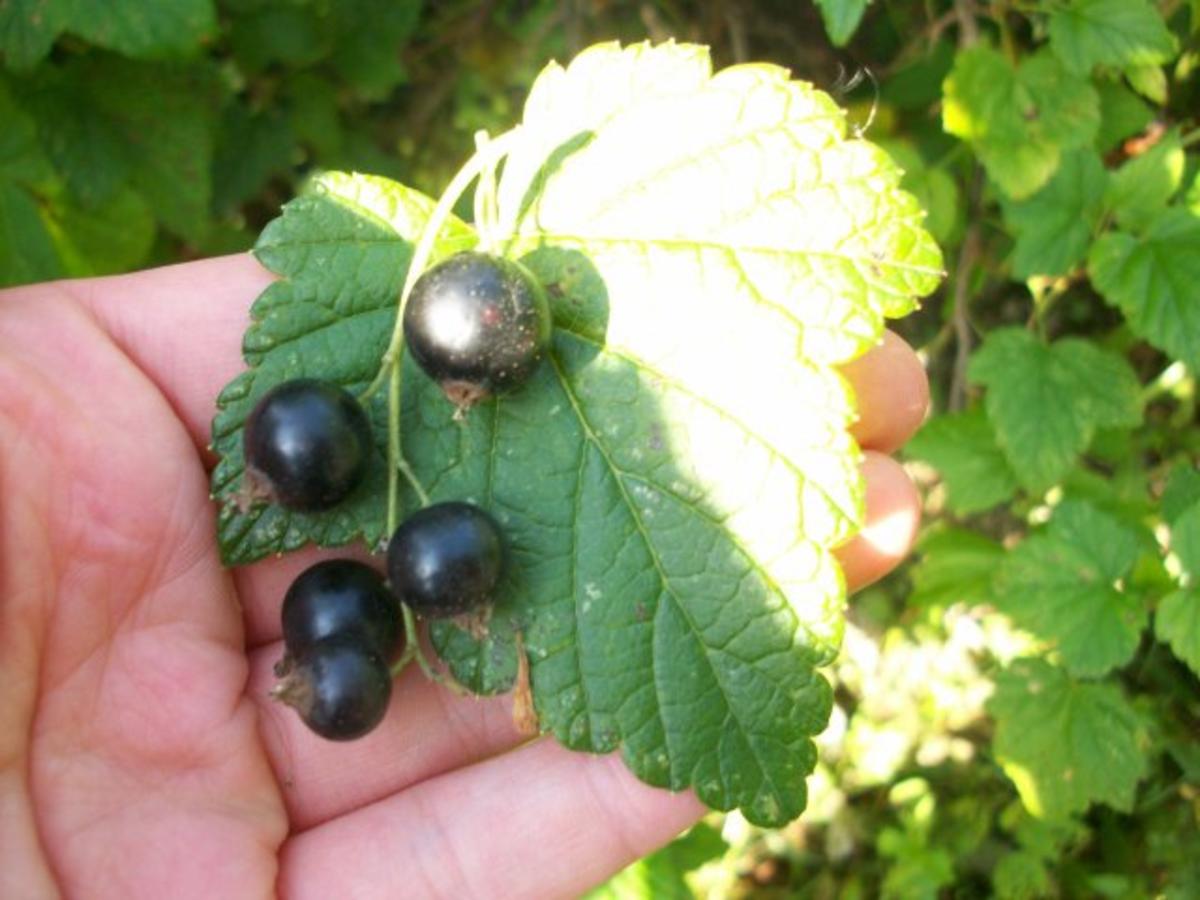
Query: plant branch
[
  {"x": 968, "y": 27},
  {"x": 968, "y": 254}
]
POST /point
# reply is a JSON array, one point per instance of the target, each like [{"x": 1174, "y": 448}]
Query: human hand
[{"x": 139, "y": 753}]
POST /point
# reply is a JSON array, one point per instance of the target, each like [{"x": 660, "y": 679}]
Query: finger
[
  {"x": 182, "y": 326},
  {"x": 893, "y": 394},
  {"x": 538, "y": 822},
  {"x": 893, "y": 515},
  {"x": 427, "y": 730}
]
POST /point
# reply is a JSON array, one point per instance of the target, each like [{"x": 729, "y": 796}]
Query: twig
[
  {"x": 737, "y": 33},
  {"x": 968, "y": 28},
  {"x": 968, "y": 253}
]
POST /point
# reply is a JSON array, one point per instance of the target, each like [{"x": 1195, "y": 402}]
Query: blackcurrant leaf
[
  {"x": 341, "y": 250},
  {"x": 673, "y": 478}
]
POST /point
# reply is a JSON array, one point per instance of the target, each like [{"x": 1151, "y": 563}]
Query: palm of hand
[{"x": 138, "y": 752}]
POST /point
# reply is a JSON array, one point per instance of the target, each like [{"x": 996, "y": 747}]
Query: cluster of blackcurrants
[{"x": 476, "y": 323}]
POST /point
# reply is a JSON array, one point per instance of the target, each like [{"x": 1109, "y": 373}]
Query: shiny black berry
[
  {"x": 340, "y": 687},
  {"x": 477, "y": 324},
  {"x": 445, "y": 560},
  {"x": 307, "y": 444},
  {"x": 341, "y": 596}
]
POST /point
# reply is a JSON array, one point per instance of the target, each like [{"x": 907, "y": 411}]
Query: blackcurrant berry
[
  {"x": 477, "y": 324},
  {"x": 340, "y": 687},
  {"x": 445, "y": 560},
  {"x": 307, "y": 444},
  {"x": 341, "y": 596}
]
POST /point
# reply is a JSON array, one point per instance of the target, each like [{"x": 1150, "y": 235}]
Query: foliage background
[{"x": 1018, "y": 708}]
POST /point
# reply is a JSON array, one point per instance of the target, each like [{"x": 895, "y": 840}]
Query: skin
[{"x": 139, "y": 754}]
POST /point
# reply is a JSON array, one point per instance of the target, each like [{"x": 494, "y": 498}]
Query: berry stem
[
  {"x": 412, "y": 650},
  {"x": 484, "y": 158},
  {"x": 413, "y": 481},
  {"x": 486, "y": 211},
  {"x": 481, "y": 165}
]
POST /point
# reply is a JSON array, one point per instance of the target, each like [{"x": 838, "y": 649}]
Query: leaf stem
[
  {"x": 486, "y": 214},
  {"x": 414, "y": 651},
  {"x": 481, "y": 165},
  {"x": 413, "y": 481},
  {"x": 1169, "y": 381},
  {"x": 489, "y": 155}
]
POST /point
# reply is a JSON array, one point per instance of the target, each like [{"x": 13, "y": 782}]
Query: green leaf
[
  {"x": 1177, "y": 623},
  {"x": 1066, "y": 744},
  {"x": 658, "y": 248},
  {"x": 164, "y": 116},
  {"x": 371, "y": 35},
  {"x": 1054, "y": 227},
  {"x": 1122, "y": 114},
  {"x": 1181, "y": 491},
  {"x": 671, "y": 580},
  {"x": 103, "y": 239},
  {"x": 660, "y": 876},
  {"x": 1046, "y": 402},
  {"x": 145, "y": 30},
  {"x": 21, "y": 158},
  {"x": 1152, "y": 280},
  {"x": 27, "y": 246},
  {"x": 955, "y": 565},
  {"x": 1185, "y": 540},
  {"x": 1117, "y": 33},
  {"x": 917, "y": 83},
  {"x": 1150, "y": 82},
  {"x": 1019, "y": 119},
  {"x": 963, "y": 448},
  {"x": 936, "y": 191},
  {"x": 286, "y": 33},
  {"x": 250, "y": 150},
  {"x": 1062, "y": 585},
  {"x": 842, "y": 18},
  {"x": 826, "y": 279},
  {"x": 342, "y": 250},
  {"x": 85, "y": 145},
  {"x": 1021, "y": 875},
  {"x": 1141, "y": 189},
  {"x": 28, "y": 29},
  {"x": 27, "y": 250}
]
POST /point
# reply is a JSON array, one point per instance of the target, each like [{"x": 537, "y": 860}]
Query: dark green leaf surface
[
  {"x": 144, "y": 30},
  {"x": 955, "y": 566},
  {"x": 1118, "y": 33},
  {"x": 1046, "y": 402},
  {"x": 1063, "y": 586},
  {"x": 1140, "y": 190},
  {"x": 27, "y": 250},
  {"x": 28, "y": 29},
  {"x": 27, "y": 246},
  {"x": 674, "y": 478},
  {"x": 841, "y": 18},
  {"x": 1018, "y": 119},
  {"x": 1123, "y": 114},
  {"x": 1181, "y": 492},
  {"x": 1177, "y": 623},
  {"x": 1066, "y": 744},
  {"x": 963, "y": 448},
  {"x": 1054, "y": 227},
  {"x": 1152, "y": 280}
]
